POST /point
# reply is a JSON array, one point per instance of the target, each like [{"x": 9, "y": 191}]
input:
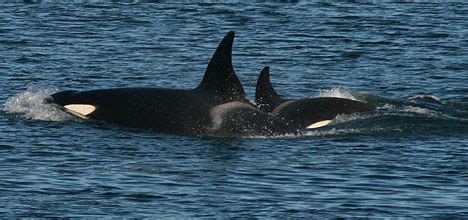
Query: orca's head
[
  {"x": 63, "y": 98},
  {"x": 70, "y": 101}
]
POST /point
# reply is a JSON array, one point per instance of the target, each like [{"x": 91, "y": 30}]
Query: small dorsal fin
[
  {"x": 220, "y": 78},
  {"x": 265, "y": 95}
]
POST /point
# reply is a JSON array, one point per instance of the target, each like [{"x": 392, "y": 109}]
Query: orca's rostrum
[{"x": 216, "y": 107}]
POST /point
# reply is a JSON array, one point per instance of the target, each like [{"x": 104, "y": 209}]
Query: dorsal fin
[
  {"x": 220, "y": 78},
  {"x": 265, "y": 95}
]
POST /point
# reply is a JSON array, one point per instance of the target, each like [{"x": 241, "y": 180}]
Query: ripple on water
[{"x": 6, "y": 147}]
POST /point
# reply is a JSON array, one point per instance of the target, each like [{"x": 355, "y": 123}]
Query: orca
[
  {"x": 307, "y": 113},
  {"x": 216, "y": 107}
]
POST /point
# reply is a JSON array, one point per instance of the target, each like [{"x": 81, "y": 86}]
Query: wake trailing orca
[
  {"x": 216, "y": 107},
  {"x": 303, "y": 113}
]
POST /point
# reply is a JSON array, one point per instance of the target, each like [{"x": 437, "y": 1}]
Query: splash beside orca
[
  {"x": 305, "y": 113},
  {"x": 216, "y": 107}
]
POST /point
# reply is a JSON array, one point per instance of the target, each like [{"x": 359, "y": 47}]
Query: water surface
[{"x": 408, "y": 158}]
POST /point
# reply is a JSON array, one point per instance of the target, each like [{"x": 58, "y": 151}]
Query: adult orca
[
  {"x": 216, "y": 107},
  {"x": 303, "y": 113}
]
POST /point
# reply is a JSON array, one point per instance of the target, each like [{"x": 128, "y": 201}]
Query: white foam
[
  {"x": 343, "y": 118},
  {"x": 426, "y": 97},
  {"x": 392, "y": 109},
  {"x": 330, "y": 132},
  {"x": 30, "y": 104},
  {"x": 418, "y": 110},
  {"x": 337, "y": 93}
]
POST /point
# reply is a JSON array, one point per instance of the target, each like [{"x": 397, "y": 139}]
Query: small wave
[
  {"x": 352, "y": 117},
  {"x": 31, "y": 104},
  {"x": 336, "y": 92},
  {"x": 393, "y": 109},
  {"x": 333, "y": 132},
  {"x": 25, "y": 59},
  {"x": 427, "y": 98}
]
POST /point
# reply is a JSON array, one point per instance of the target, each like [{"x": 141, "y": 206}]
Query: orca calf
[
  {"x": 216, "y": 107},
  {"x": 303, "y": 113}
]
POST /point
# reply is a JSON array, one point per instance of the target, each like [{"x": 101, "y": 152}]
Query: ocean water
[{"x": 409, "y": 158}]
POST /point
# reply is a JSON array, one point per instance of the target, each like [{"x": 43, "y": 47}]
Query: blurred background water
[{"x": 408, "y": 158}]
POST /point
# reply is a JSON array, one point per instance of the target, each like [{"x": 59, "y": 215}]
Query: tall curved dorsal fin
[
  {"x": 220, "y": 78},
  {"x": 265, "y": 95}
]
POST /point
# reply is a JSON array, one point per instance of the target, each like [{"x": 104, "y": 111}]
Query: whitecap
[
  {"x": 430, "y": 98},
  {"x": 337, "y": 93}
]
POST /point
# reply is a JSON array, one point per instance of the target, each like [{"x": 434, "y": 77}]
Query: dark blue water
[{"x": 408, "y": 158}]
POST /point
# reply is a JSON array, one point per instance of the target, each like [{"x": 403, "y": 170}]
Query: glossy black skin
[
  {"x": 162, "y": 110},
  {"x": 217, "y": 107},
  {"x": 185, "y": 112},
  {"x": 301, "y": 113},
  {"x": 266, "y": 97}
]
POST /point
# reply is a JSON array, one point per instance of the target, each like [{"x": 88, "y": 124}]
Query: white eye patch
[
  {"x": 80, "y": 110},
  {"x": 319, "y": 124}
]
